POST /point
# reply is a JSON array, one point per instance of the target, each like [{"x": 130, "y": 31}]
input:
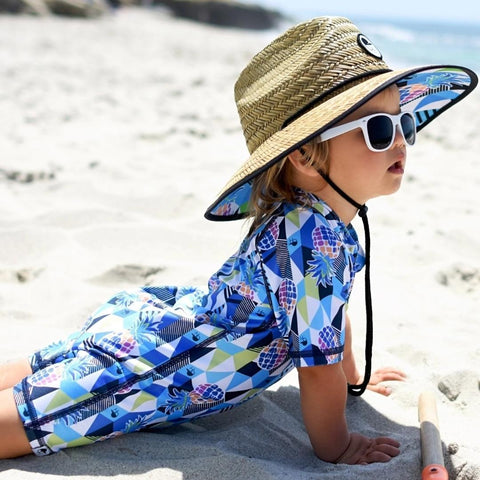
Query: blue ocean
[{"x": 406, "y": 43}]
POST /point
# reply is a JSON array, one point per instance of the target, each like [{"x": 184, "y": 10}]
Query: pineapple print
[
  {"x": 120, "y": 344},
  {"x": 245, "y": 290},
  {"x": 144, "y": 326},
  {"x": 325, "y": 241},
  {"x": 124, "y": 299},
  {"x": 78, "y": 367},
  {"x": 252, "y": 275},
  {"x": 178, "y": 401},
  {"x": 136, "y": 424},
  {"x": 204, "y": 318},
  {"x": 56, "y": 349},
  {"x": 127, "y": 388},
  {"x": 213, "y": 283},
  {"x": 207, "y": 393},
  {"x": 327, "y": 340},
  {"x": 326, "y": 248},
  {"x": 269, "y": 238},
  {"x": 287, "y": 295},
  {"x": 47, "y": 376},
  {"x": 272, "y": 355}
]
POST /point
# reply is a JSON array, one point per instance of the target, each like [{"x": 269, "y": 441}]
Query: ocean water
[{"x": 406, "y": 43}]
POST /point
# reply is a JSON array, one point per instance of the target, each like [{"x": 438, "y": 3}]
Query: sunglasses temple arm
[{"x": 336, "y": 131}]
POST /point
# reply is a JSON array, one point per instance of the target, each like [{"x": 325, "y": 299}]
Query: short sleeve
[{"x": 315, "y": 272}]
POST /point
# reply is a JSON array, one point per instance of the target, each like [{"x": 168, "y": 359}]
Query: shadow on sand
[{"x": 263, "y": 438}]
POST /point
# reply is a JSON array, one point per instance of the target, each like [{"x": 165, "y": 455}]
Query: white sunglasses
[{"x": 378, "y": 130}]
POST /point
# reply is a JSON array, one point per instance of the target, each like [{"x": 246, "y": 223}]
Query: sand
[{"x": 116, "y": 134}]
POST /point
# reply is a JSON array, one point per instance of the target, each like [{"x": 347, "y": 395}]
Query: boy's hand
[
  {"x": 363, "y": 450},
  {"x": 382, "y": 375}
]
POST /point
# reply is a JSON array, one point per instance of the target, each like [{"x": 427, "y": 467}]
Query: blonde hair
[{"x": 274, "y": 185}]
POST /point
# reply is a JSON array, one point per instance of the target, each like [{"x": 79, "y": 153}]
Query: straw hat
[{"x": 313, "y": 76}]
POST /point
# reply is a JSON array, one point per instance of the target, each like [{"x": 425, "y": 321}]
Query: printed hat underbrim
[{"x": 426, "y": 91}]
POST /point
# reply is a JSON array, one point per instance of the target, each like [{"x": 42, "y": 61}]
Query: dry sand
[{"x": 116, "y": 135}]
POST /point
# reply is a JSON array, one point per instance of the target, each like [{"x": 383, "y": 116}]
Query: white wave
[{"x": 391, "y": 32}]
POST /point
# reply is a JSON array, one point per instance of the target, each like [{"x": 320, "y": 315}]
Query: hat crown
[{"x": 306, "y": 65}]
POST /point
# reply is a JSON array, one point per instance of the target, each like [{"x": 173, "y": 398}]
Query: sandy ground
[{"x": 116, "y": 134}]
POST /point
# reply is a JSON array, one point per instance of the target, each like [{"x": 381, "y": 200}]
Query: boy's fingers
[
  {"x": 392, "y": 376},
  {"x": 387, "y": 441},
  {"x": 391, "y": 373},
  {"x": 381, "y": 389},
  {"x": 384, "y": 449}
]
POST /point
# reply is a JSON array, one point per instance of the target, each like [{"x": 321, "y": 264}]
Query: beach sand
[{"x": 116, "y": 135}]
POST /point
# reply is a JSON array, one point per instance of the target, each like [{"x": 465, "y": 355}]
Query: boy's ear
[{"x": 299, "y": 162}]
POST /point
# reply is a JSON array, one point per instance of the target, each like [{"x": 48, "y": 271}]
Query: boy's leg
[
  {"x": 13, "y": 439},
  {"x": 13, "y": 372}
]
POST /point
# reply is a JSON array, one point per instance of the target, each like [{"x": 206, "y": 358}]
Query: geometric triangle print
[
  {"x": 239, "y": 382},
  {"x": 218, "y": 378},
  {"x": 143, "y": 398},
  {"x": 56, "y": 441},
  {"x": 83, "y": 426},
  {"x": 226, "y": 366},
  {"x": 218, "y": 357},
  {"x": 38, "y": 392},
  {"x": 89, "y": 382},
  {"x": 100, "y": 427},
  {"x": 243, "y": 358},
  {"x": 59, "y": 399},
  {"x": 302, "y": 306},
  {"x": 103, "y": 382},
  {"x": 199, "y": 352},
  {"x": 183, "y": 345}
]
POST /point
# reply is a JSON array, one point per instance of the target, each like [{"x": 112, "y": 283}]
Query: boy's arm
[
  {"x": 323, "y": 393},
  {"x": 349, "y": 366}
]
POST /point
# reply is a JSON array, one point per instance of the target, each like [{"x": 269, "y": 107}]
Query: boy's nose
[{"x": 398, "y": 140}]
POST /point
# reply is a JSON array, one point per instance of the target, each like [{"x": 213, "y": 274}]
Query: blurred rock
[
  {"x": 78, "y": 8},
  {"x": 224, "y": 13},
  {"x": 11, "y": 6},
  {"x": 462, "y": 385},
  {"x": 35, "y": 7},
  {"x": 72, "y": 8}
]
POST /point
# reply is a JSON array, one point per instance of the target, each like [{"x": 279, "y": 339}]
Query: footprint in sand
[
  {"x": 134, "y": 274},
  {"x": 26, "y": 177},
  {"x": 22, "y": 275},
  {"x": 462, "y": 278}
]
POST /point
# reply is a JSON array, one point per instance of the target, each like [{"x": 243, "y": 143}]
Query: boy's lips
[{"x": 398, "y": 167}]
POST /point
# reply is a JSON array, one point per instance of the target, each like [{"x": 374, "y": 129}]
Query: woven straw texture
[{"x": 305, "y": 63}]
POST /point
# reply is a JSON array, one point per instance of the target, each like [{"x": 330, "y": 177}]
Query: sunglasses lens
[
  {"x": 380, "y": 132},
  {"x": 408, "y": 128}
]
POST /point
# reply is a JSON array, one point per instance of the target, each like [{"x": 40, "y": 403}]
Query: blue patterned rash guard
[
  {"x": 162, "y": 355},
  {"x": 292, "y": 277}
]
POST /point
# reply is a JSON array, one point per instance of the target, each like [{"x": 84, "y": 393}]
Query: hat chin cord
[{"x": 357, "y": 390}]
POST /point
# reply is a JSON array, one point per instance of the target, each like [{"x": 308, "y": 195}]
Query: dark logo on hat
[{"x": 368, "y": 46}]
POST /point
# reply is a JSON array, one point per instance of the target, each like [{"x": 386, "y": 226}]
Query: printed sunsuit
[{"x": 156, "y": 356}]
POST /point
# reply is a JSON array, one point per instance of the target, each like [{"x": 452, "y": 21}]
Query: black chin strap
[{"x": 357, "y": 390}]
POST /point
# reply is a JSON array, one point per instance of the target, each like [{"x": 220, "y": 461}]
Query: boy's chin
[{"x": 394, "y": 188}]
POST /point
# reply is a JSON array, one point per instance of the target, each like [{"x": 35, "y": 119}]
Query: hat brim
[{"x": 425, "y": 91}]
